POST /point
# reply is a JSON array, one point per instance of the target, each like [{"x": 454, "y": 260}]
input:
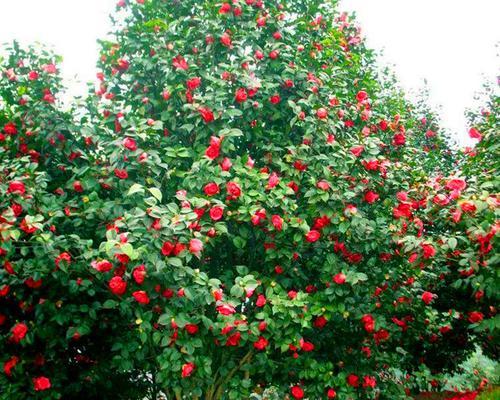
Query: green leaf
[{"x": 156, "y": 193}]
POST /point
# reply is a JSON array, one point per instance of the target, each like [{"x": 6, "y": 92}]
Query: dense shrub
[{"x": 244, "y": 202}]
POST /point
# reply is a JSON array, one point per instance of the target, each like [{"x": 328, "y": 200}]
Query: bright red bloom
[
  {"x": 427, "y": 297},
  {"x": 277, "y": 222},
  {"x": 167, "y": 248},
  {"x": 216, "y": 213},
  {"x": 9, "y": 365},
  {"x": 369, "y": 382},
  {"x": 275, "y": 99},
  {"x": 102, "y": 266},
  {"x": 225, "y": 309},
  {"x": 233, "y": 190},
  {"x": 19, "y": 332},
  {"x": 225, "y": 39},
  {"x": 356, "y": 150},
  {"x": 180, "y": 63},
  {"x": 339, "y": 279},
  {"x": 41, "y": 383},
  {"x": 192, "y": 329},
  {"x": 353, "y": 380},
  {"x": 475, "y": 317},
  {"x": 297, "y": 392},
  {"x": 10, "y": 128},
  {"x": 141, "y": 297},
  {"x": 117, "y": 285},
  {"x": 130, "y": 144},
  {"x": 475, "y": 134},
  {"x": 121, "y": 173},
  {"x": 261, "y": 301},
  {"x": 261, "y": 343},
  {"x": 321, "y": 113},
  {"x": 211, "y": 189},
  {"x": 241, "y": 95},
  {"x": 429, "y": 250},
  {"x": 206, "y": 114},
  {"x": 188, "y": 369},
  {"x": 361, "y": 96},
  {"x": 313, "y": 236},
  {"x": 193, "y": 83},
  {"x": 139, "y": 274},
  {"x": 16, "y": 187},
  {"x": 371, "y": 197}
]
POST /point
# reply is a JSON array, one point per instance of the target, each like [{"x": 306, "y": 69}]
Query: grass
[{"x": 493, "y": 394}]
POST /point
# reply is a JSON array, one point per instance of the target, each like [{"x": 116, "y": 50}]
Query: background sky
[{"x": 451, "y": 43}]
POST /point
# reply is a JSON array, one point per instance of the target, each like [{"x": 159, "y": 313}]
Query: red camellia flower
[
  {"x": 475, "y": 317},
  {"x": 321, "y": 113},
  {"x": 19, "y": 331},
  {"x": 102, "y": 266},
  {"x": 312, "y": 236},
  {"x": 180, "y": 63},
  {"x": 275, "y": 99},
  {"x": 361, "y": 96},
  {"x": 456, "y": 184},
  {"x": 429, "y": 250},
  {"x": 339, "y": 279},
  {"x": 225, "y": 39},
  {"x": 399, "y": 139},
  {"x": 369, "y": 382},
  {"x": 117, "y": 285},
  {"x": 167, "y": 248},
  {"x": 9, "y": 365},
  {"x": 141, "y": 297},
  {"x": 475, "y": 134},
  {"x": 195, "y": 246},
  {"x": 323, "y": 185},
  {"x": 331, "y": 393},
  {"x": 211, "y": 189},
  {"x": 320, "y": 322},
  {"x": 139, "y": 274},
  {"x": 233, "y": 190},
  {"x": 10, "y": 128},
  {"x": 121, "y": 173},
  {"x": 297, "y": 392},
  {"x": 371, "y": 197},
  {"x": 193, "y": 83},
  {"x": 16, "y": 187},
  {"x": 77, "y": 186},
  {"x": 188, "y": 369},
  {"x": 41, "y": 383},
  {"x": 212, "y": 152},
  {"x": 216, "y": 213},
  {"x": 427, "y": 297},
  {"x": 130, "y": 144},
  {"x": 225, "y": 8},
  {"x": 353, "y": 380},
  {"x": 206, "y": 114},
  {"x": 192, "y": 329},
  {"x": 261, "y": 343},
  {"x": 356, "y": 150},
  {"x": 234, "y": 339},
  {"x": 261, "y": 301},
  {"x": 226, "y": 309},
  {"x": 241, "y": 95},
  {"x": 277, "y": 222}
]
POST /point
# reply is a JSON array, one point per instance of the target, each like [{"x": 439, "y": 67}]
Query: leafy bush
[{"x": 243, "y": 205}]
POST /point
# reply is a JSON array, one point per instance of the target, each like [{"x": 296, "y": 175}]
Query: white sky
[{"x": 451, "y": 43}]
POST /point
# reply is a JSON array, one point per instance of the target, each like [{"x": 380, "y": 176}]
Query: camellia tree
[{"x": 244, "y": 202}]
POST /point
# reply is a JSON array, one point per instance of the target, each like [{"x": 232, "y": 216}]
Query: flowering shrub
[{"x": 243, "y": 203}]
